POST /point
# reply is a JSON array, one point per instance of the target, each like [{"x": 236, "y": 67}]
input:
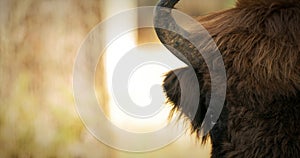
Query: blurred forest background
[{"x": 39, "y": 40}]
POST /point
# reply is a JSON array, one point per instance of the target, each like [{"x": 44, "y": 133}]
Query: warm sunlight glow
[
  {"x": 139, "y": 84},
  {"x": 142, "y": 80}
]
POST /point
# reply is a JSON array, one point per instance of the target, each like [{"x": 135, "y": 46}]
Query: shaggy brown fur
[{"x": 260, "y": 44}]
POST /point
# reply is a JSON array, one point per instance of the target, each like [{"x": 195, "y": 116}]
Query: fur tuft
[{"x": 181, "y": 90}]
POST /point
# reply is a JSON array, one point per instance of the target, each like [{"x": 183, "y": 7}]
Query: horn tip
[{"x": 167, "y": 3}]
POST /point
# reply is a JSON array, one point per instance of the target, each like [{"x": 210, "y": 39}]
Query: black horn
[{"x": 172, "y": 35}]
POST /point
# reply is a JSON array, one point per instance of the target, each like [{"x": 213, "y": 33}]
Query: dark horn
[{"x": 172, "y": 40}]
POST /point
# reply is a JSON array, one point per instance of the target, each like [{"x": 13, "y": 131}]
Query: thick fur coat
[{"x": 260, "y": 44}]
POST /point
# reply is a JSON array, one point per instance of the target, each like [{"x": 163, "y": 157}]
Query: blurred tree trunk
[{"x": 38, "y": 44}]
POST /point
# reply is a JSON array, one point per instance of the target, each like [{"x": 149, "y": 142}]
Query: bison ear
[{"x": 182, "y": 88}]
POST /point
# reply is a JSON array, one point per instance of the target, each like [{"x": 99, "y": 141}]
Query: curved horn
[{"x": 173, "y": 41}]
